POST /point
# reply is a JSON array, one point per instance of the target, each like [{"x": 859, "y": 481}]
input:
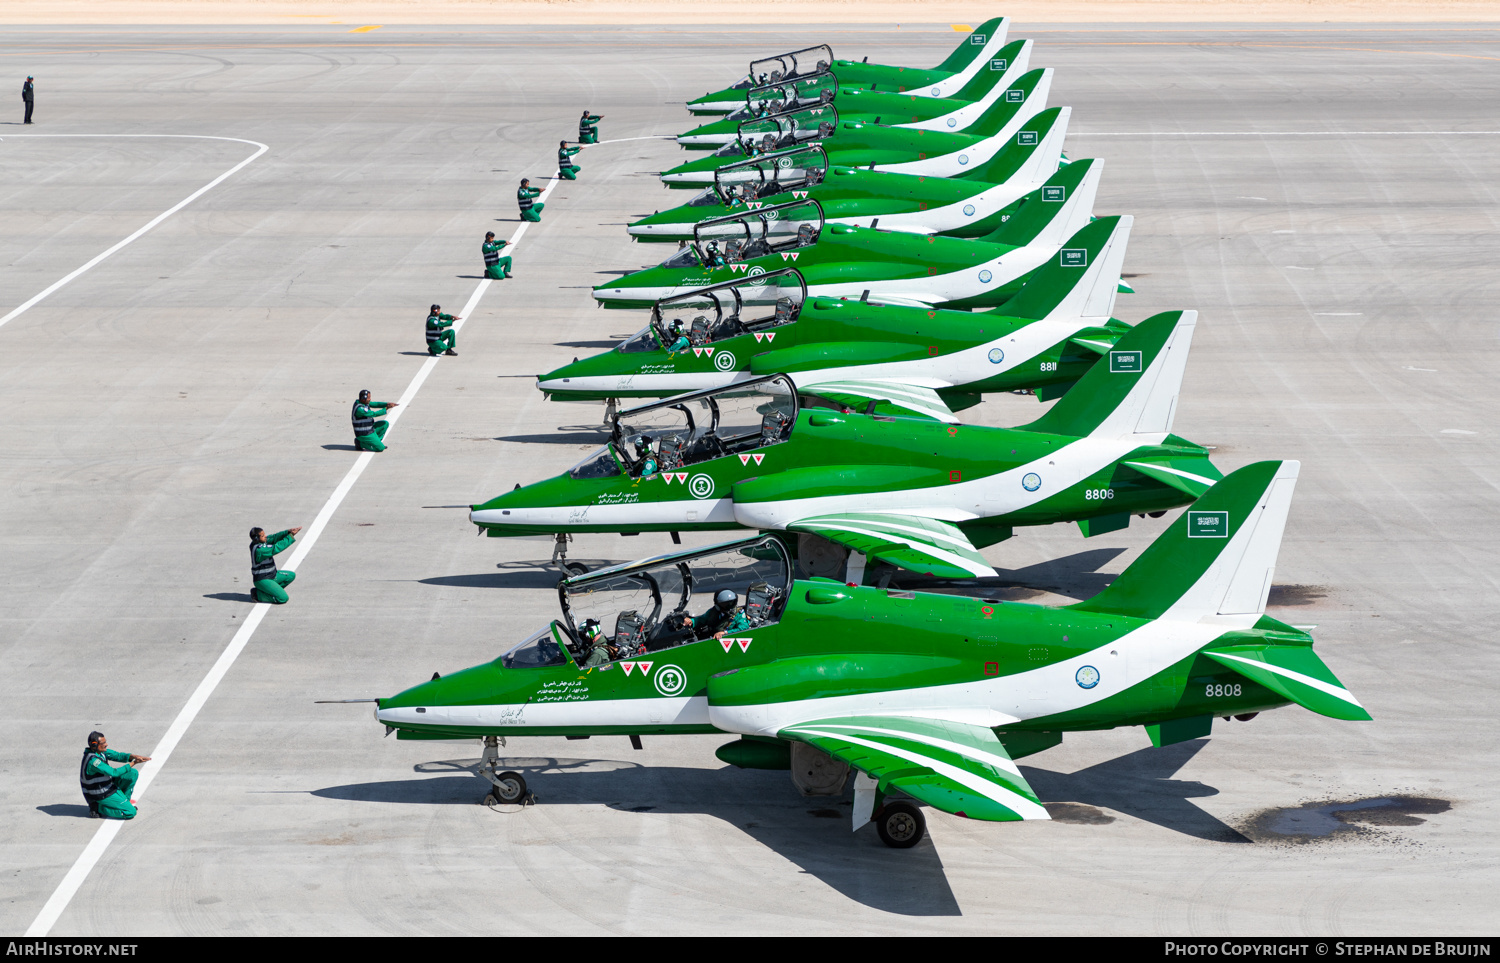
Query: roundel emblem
[
  {"x": 670, "y": 680},
  {"x": 723, "y": 360},
  {"x": 963, "y": 159},
  {"x": 952, "y": 121},
  {"x": 701, "y": 486},
  {"x": 783, "y": 162},
  {"x": 937, "y": 91},
  {"x": 772, "y": 215},
  {"x": 1087, "y": 677},
  {"x": 986, "y": 277},
  {"x": 968, "y": 210},
  {"x": 996, "y": 356},
  {"x": 756, "y": 272},
  {"x": 1031, "y": 482}
]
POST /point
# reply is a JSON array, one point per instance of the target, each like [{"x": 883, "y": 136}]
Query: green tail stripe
[
  {"x": 1001, "y": 111},
  {"x": 1033, "y": 212},
  {"x": 1052, "y": 282},
  {"x": 1010, "y": 158},
  {"x": 1295, "y": 672},
  {"x": 985, "y": 81},
  {"x": 967, "y": 50},
  {"x": 1180, "y": 556}
]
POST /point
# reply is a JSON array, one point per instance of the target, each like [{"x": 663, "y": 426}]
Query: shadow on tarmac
[
  {"x": 530, "y": 577},
  {"x": 231, "y": 597},
  {"x": 339, "y": 448},
  {"x": 1141, "y": 785},
  {"x": 1074, "y": 576},
  {"x": 762, "y": 804},
  {"x": 585, "y": 344},
  {"x": 571, "y": 438},
  {"x": 76, "y": 810}
]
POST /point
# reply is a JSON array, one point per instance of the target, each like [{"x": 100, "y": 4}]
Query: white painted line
[
  {"x": 1337, "y": 314},
  {"x": 155, "y": 220},
  {"x": 106, "y": 833}
]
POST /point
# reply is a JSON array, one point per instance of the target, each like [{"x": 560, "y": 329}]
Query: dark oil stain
[
  {"x": 1296, "y": 594},
  {"x": 1342, "y": 818},
  {"x": 1078, "y": 814},
  {"x": 825, "y": 813},
  {"x": 641, "y": 809}
]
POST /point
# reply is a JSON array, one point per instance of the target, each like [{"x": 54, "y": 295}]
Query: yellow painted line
[
  {"x": 963, "y": 28},
  {"x": 366, "y": 29}
]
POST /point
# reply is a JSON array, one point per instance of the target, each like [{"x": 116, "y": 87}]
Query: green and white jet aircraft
[
  {"x": 905, "y": 111},
  {"x": 968, "y": 206},
  {"x": 927, "y": 695},
  {"x": 909, "y": 491},
  {"x": 972, "y": 55},
  {"x": 1044, "y": 338},
  {"x": 857, "y": 143},
  {"x": 893, "y": 267}
]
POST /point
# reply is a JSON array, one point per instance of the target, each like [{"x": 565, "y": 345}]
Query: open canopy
[
  {"x": 731, "y": 308},
  {"x": 753, "y": 178},
  {"x": 699, "y": 426},
  {"x": 818, "y": 88},
  {"x": 757, "y": 232},
  {"x": 791, "y": 127},
  {"x": 793, "y": 64}
]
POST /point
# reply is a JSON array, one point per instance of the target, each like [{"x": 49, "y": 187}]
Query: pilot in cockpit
[
  {"x": 645, "y": 458},
  {"x": 725, "y": 616},
  {"x": 680, "y": 337},
  {"x": 599, "y": 648},
  {"x": 711, "y": 255}
]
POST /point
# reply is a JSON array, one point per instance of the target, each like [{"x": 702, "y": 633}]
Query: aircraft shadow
[
  {"x": 558, "y": 438},
  {"x": 1140, "y": 784},
  {"x": 523, "y": 579},
  {"x": 231, "y": 597},
  {"x": 586, "y": 344},
  {"x": 76, "y": 810},
  {"x": 812, "y": 833},
  {"x": 1075, "y": 576}
]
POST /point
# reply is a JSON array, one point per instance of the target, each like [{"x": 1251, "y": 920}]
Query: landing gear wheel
[
  {"x": 575, "y": 568},
  {"x": 900, "y": 825},
  {"x": 509, "y": 788}
]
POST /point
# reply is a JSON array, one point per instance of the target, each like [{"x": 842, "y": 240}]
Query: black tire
[
  {"x": 900, "y": 825},
  {"x": 512, "y": 788},
  {"x": 575, "y": 568}
]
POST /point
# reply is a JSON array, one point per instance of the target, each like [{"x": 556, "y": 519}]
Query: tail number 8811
[{"x": 1212, "y": 691}]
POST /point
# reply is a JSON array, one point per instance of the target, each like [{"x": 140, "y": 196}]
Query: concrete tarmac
[{"x": 1322, "y": 195}]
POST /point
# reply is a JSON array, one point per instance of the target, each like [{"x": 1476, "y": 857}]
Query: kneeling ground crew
[
  {"x": 270, "y": 584},
  {"x": 566, "y": 169},
  {"x": 369, "y": 434},
  {"x": 587, "y": 132},
  {"x": 440, "y": 334},
  {"x": 496, "y": 268},
  {"x": 105, "y": 788},
  {"x": 530, "y": 209}
]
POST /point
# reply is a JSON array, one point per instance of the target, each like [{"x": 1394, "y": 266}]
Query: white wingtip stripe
[
  {"x": 978, "y": 755},
  {"x": 1307, "y": 680}
]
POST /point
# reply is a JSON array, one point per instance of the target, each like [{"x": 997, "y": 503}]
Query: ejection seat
[{"x": 629, "y": 633}]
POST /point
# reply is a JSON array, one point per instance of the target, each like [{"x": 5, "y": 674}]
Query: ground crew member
[
  {"x": 587, "y": 132},
  {"x": 369, "y": 434},
  {"x": 105, "y": 788},
  {"x": 530, "y": 209},
  {"x": 28, "y": 97},
  {"x": 440, "y": 334},
  {"x": 566, "y": 169},
  {"x": 269, "y": 585},
  {"x": 496, "y": 268}
]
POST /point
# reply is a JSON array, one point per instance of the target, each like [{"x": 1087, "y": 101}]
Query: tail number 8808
[{"x": 1219, "y": 691}]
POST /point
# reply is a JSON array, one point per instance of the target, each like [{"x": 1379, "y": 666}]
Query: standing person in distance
[
  {"x": 440, "y": 334},
  {"x": 588, "y": 133},
  {"x": 269, "y": 584},
  {"x": 496, "y": 268},
  {"x": 369, "y": 434},
  {"x": 526, "y": 200},
  {"x": 28, "y": 97},
  {"x": 566, "y": 169}
]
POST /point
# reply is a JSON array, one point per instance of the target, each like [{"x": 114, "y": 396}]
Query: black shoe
[{"x": 451, "y": 353}]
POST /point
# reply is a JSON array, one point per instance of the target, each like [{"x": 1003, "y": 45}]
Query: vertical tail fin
[
  {"x": 1003, "y": 69},
  {"x": 1054, "y": 212},
  {"x": 1031, "y": 155},
  {"x": 987, "y": 35},
  {"x": 1082, "y": 280},
  {"x": 1133, "y": 389},
  {"x": 1217, "y": 558},
  {"x": 1022, "y": 101}
]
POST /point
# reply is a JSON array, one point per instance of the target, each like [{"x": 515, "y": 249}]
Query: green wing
[
  {"x": 892, "y": 397},
  {"x": 1295, "y": 672},
  {"x": 925, "y": 545},
  {"x": 953, "y": 766},
  {"x": 1194, "y": 476}
]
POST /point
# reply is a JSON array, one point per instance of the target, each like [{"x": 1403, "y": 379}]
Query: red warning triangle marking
[
  {"x": 784, "y": 255},
  {"x": 744, "y": 644},
  {"x": 759, "y": 335},
  {"x": 759, "y": 457},
  {"x": 697, "y": 352},
  {"x": 770, "y": 336},
  {"x": 744, "y": 459},
  {"x": 726, "y": 643},
  {"x": 794, "y": 255},
  {"x": 709, "y": 352},
  {"x": 645, "y": 667},
  {"x": 681, "y": 477},
  {"x": 668, "y": 477},
  {"x": 627, "y": 666}
]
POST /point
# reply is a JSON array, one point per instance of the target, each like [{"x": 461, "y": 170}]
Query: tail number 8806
[
  {"x": 1098, "y": 494},
  {"x": 1219, "y": 691}
]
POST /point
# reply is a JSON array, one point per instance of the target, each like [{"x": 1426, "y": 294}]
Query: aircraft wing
[
  {"x": 897, "y": 300},
  {"x": 926, "y": 545},
  {"x": 957, "y": 767},
  {"x": 898, "y": 398}
]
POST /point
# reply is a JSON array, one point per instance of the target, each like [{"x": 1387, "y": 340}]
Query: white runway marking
[
  {"x": 106, "y": 833},
  {"x": 155, "y": 220}
]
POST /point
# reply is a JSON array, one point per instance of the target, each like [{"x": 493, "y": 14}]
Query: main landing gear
[
  {"x": 507, "y": 788},
  {"x": 900, "y": 824}
]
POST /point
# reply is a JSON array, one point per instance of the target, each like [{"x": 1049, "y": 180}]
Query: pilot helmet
[
  {"x": 591, "y": 631},
  {"x": 726, "y": 599},
  {"x": 642, "y": 445}
]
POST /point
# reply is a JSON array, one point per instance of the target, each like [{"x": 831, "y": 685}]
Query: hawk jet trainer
[
  {"x": 915, "y": 493},
  {"x": 1044, "y": 339},
  {"x": 892, "y": 267},
  {"x": 918, "y": 695}
]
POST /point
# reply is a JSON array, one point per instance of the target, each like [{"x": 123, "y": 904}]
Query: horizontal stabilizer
[
  {"x": 924, "y": 545},
  {"x": 1192, "y": 476},
  {"x": 892, "y": 397},
  {"x": 957, "y": 767},
  {"x": 1296, "y": 672}
]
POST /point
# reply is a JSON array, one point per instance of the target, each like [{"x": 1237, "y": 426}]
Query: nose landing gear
[{"x": 507, "y": 788}]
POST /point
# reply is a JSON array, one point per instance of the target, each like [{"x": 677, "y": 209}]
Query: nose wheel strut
[{"x": 506, "y": 788}]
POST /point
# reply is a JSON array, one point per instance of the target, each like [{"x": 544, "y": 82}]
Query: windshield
[
  {"x": 642, "y": 340},
  {"x": 796, "y": 63},
  {"x": 790, "y": 128},
  {"x": 707, "y": 198},
  {"x": 639, "y": 608},
  {"x": 600, "y": 464},
  {"x": 683, "y": 257},
  {"x": 748, "y": 180},
  {"x": 722, "y": 311},
  {"x": 542, "y": 649},
  {"x": 774, "y": 98},
  {"x": 699, "y": 427},
  {"x": 758, "y": 232}
]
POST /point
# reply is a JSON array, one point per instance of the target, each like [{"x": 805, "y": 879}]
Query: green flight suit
[
  {"x": 375, "y": 440},
  {"x": 117, "y": 805},
  {"x": 588, "y": 133},
  {"x": 272, "y": 590},
  {"x": 440, "y": 335},
  {"x": 715, "y": 621},
  {"x": 566, "y": 169},
  {"x": 530, "y": 209},
  {"x": 496, "y": 268}
]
